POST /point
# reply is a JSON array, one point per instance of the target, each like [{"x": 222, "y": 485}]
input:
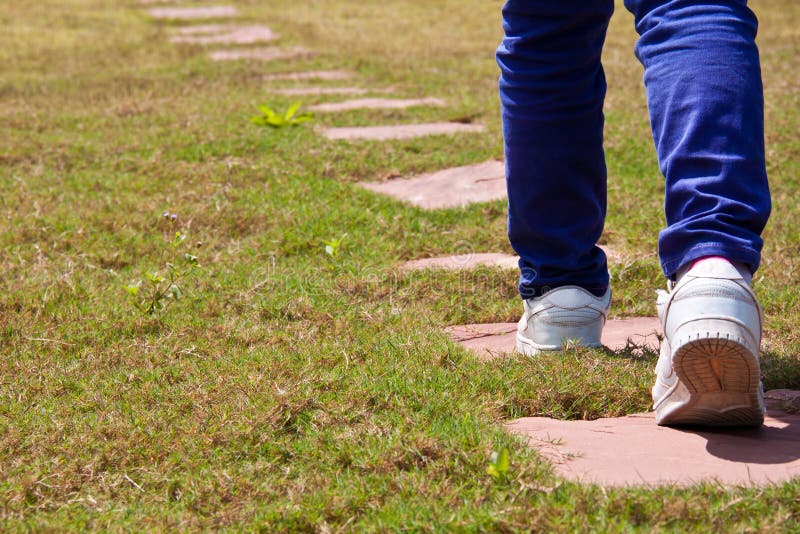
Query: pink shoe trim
[{"x": 706, "y": 258}]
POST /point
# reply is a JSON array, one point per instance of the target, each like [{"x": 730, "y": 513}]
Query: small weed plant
[
  {"x": 498, "y": 466},
  {"x": 153, "y": 294},
  {"x": 271, "y": 119},
  {"x": 332, "y": 247}
]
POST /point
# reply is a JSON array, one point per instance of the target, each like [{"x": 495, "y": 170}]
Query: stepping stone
[
  {"x": 201, "y": 29},
  {"x": 403, "y": 131},
  {"x": 325, "y": 75},
  {"x": 634, "y": 451},
  {"x": 463, "y": 262},
  {"x": 260, "y": 54},
  {"x": 470, "y": 261},
  {"x": 192, "y": 13},
  {"x": 449, "y": 188},
  {"x": 221, "y": 34},
  {"x": 376, "y": 103},
  {"x": 491, "y": 340},
  {"x": 309, "y": 91}
]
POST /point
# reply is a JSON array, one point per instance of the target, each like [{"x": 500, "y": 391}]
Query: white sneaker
[
  {"x": 561, "y": 314},
  {"x": 708, "y": 370}
]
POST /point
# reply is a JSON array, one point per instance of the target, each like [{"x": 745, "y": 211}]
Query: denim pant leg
[
  {"x": 552, "y": 88},
  {"x": 705, "y": 96}
]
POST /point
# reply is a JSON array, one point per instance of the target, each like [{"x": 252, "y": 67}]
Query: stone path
[
  {"x": 192, "y": 13},
  {"x": 459, "y": 262},
  {"x": 377, "y": 103},
  {"x": 223, "y": 34},
  {"x": 228, "y": 34},
  {"x": 634, "y": 451},
  {"x": 326, "y": 75},
  {"x": 448, "y": 188},
  {"x": 493, "y": 340},
  {"x": 259, "y": 54},
  {"x": 463, "y": 262},
  {"x": 307, "y": 91},
  {"x": 402, "y": 131}
]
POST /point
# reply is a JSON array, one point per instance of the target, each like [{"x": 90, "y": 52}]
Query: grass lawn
[{"x": 292, "y": 390}]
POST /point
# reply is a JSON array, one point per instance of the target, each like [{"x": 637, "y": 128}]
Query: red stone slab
[
  {"x": 376, "y": 103},
  {"x": 259, "y": 54},
  {"x": 313, "y": 91},
  {"x": 634, "y": 451},
  {"x": 205, "y": 29},
  {"x": 463, "y": 261},
  {"x": 448, "y": 188},
  {"x": 192, "y": 13},
  {"x": 326, "y": 75},
  {"x": 224, "y": 34},
  {"x": 470, "y": 261},
  {"x": 403, "y": 131},
  {"x": 491, "y": 340}
]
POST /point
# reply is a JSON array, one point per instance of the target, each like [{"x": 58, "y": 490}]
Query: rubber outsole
[
  {"x": 527, "y": 347},
  {"x": 718, "y": 384}
]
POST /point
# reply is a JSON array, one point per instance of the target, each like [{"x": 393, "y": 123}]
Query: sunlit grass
[{"x": 291, "y": 388}]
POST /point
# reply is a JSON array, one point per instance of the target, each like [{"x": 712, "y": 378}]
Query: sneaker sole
[
  {"x": 527, "y": 347},
  {"x": 718, "y": 384}
]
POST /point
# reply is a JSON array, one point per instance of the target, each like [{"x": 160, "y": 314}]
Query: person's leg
[
  {"x": 552, "y": 88},
  {"x": 704, "y": 92}
]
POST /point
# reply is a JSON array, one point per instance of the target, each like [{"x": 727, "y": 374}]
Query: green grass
[{"x": 290, "y": 390}]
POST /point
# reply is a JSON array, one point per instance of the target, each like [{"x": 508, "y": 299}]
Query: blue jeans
[{"x": 703, "y": 82}]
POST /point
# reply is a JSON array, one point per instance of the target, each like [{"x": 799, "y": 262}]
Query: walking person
[{"x": 703, "y": 81}]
